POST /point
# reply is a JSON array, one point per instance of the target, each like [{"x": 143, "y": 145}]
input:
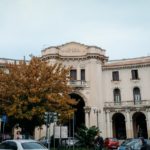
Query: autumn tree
[{"x": 27, "y": 90}]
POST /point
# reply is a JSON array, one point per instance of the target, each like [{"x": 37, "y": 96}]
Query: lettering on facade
[{"x": 73, "y": 51}]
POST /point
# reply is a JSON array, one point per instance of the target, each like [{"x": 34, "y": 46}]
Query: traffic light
[{"x": 55, "y": 117}]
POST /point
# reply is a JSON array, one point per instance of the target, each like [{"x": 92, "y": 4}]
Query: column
[
  {"x": 87, "y": 111},
  {"x": 97, "y": 115},
  {"x": 129, "y": 130},
  {"x": 131, "y": 127},
  {"x": 93, "y": 117},
  {"x": 109, "y": 123}
]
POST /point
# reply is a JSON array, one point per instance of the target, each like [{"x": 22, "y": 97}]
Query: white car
[{"x": 22, "y": 145}]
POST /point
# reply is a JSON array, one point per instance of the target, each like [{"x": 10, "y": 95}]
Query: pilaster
[
  {"x": 109, "y": 124},
  {"x": 129, "y": 128},
  {"x": 87, "y": 110}
]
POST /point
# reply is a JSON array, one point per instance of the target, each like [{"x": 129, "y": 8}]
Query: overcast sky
[{"x": 121, "y": 27}]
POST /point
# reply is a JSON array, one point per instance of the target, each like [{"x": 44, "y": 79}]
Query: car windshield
[{"x": 32, "y": 145}]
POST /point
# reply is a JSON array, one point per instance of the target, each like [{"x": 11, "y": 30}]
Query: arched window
[
  {"x": 136, "y": 95},
  {"x": 117, "y": 95}
]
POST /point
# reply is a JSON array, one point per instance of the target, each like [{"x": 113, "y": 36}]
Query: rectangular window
[
  {"x": 82, "y": 74},
  {"x": 73, "y": 74},
  {"x": 134, "y": 74},
  {"x": 115, "y": 75}
]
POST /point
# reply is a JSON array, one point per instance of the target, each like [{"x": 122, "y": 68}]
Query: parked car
[
  {"x": 70, "y": 141},
  {"x": 111, "y": 143},
  {"x": 132, "y": 144},
  {"x": 21, "y": 145}
]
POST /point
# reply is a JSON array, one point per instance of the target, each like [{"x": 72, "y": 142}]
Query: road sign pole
[
  {"x": 46, "y": 121},
  {"x": 49, "y": 117}
]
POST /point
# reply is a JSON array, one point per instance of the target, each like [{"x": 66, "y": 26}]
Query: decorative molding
[
  {"x": 125, "y": 66},
  {"x": 127, "y": 110},
  {"x": 73, "y": 58}
]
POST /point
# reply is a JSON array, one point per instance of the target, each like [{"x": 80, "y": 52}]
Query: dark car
[
  {"x": 132, "y": 144},
  {"x": 111, "y": 143}
]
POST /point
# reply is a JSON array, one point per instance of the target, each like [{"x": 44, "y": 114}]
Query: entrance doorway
[
  {"x": 79, "y": 115},
  {"x": 139, "y": 125},
  {"x": 119, "y": 129}
]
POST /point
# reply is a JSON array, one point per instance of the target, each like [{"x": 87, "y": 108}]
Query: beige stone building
[{"x": 112, "y": 95}]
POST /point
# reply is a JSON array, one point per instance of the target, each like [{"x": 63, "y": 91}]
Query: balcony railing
[
  {"x": 78, "y": 83},
  {"x": 128, "y": 103}
]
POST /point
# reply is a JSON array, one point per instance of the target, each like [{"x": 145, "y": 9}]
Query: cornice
[
  {"x": 127, "y": 63},
  {"x": 119, "y": 67},
  {"x": 83, "y": 57}
]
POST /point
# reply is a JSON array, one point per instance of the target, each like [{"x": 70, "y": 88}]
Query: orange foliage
[{"x": 31, "y": 89}]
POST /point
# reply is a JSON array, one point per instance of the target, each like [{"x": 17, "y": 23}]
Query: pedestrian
[
  {"x": 144, "y": 145},
  {"x": 98, "y": 142}
]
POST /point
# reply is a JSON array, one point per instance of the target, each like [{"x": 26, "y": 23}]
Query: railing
[
  {"x": 78, "y": 83},
  {"x": 128, "y": 103}
]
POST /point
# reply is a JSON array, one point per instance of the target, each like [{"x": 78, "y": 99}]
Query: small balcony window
[
  {"x": 117, "y": 96},
  {"x": 137, "y": 95}
]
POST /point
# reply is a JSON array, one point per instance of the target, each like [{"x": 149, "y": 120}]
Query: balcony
[
  {"x": 123, "y": 104},
  {"x": 78, "y": 83}
]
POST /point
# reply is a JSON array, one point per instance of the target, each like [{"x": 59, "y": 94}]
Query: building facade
[{"x": 112, "y": 95}]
